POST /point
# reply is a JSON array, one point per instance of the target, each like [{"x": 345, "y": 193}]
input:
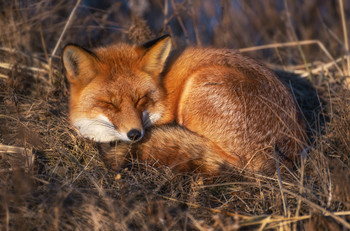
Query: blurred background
[
  {"x": 35, "y": 26},
  {"x": 50, "y": 179}
]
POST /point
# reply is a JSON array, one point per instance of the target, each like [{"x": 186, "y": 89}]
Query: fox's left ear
[
  {"x": 155, "y": 54},
  {"x": 80, "y": 64}
]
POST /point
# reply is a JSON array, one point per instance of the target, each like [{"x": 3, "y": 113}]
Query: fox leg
[{"x": 114, "y": 154}]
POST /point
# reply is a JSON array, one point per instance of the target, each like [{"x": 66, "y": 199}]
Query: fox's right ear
[
  {"x": 80, "y": 64},
  {"x": 156, "y": 53}
]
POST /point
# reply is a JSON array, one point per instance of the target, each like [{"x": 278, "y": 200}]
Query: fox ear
[
  {"x": 155, "y": 55},
  {"x": 80, "y": 64}
]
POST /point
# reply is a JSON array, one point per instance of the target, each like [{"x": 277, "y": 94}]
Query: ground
[{"x": 51, "y": 179}]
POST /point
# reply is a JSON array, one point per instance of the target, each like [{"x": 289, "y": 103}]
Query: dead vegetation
[{"x": 50, "y": 179}]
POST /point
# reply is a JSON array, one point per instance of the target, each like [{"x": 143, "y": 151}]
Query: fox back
[{"x": 230, "y": 104}]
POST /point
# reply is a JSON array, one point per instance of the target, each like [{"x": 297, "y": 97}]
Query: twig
[
  {"x": 167, "y": 19},
  {"x": 325, "y": 211},
  {"x": 7, "y": 219},
  {"x": 285, "y": 204},
  {"x": 2, "y": 76},
  {"x": 325, "y": 66},
  {"x": 264, "y": 223},
  {"x": 297, "y": 40},
  {"x": 195, "y": 27},
  {"x": 345, "y": 32},
  {"x": 60, "y": 38},
  {"x": 330, "y": 195},
  {"x": 84, "y": 168},
  {"x": 26, "y": 153},
  {"x": 182, "y": 25},
  {"x": 9, "y": 66},
  {"x": 302, "y": 171},
  {"x": 165, "y": 11},
  {"x": 290, "y": 44},
  {"x": 37, "y": 60},
  {"x": 22, "y": 68},
  {"x": 44, "y": 44},
  {"x": 269, "y": 219},
  {"x": 251, "y": 158}
]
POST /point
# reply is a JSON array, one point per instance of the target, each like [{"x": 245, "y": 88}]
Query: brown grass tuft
[{"x": 50, "y": 179}]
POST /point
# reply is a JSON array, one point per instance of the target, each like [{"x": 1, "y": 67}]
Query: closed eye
[
  {"x": 141, "y": 102},
  {"x": 109, "y": 105}
]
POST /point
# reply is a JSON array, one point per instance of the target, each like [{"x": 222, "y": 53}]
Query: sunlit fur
[
  {"x": 113, "y": 82},
  {"x": 199, "y": 109},
  {"x": 99, "y": 129}
]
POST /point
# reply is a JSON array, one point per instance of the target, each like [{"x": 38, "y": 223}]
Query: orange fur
[{"x": 198, "y": 109}]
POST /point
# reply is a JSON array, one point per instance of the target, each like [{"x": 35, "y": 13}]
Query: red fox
[{"x": 198, "y": 109}]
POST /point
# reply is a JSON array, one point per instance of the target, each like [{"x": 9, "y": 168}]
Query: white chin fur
[{"x": 99, "y": 129}]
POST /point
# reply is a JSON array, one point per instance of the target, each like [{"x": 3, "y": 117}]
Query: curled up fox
[{"x": 194, "y": 110}]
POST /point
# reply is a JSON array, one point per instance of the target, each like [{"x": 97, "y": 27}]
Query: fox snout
[
  {"x": 134, "y": 135},
  {"x": 127, "y": 125},
  {"x": 101, "y": 129}
]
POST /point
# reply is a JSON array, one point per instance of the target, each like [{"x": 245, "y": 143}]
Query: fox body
[{"x": 198, "y": 109}]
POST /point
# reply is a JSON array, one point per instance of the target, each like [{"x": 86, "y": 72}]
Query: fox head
[{"x": 115, "y": 91}]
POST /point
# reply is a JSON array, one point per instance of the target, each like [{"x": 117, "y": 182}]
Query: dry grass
[{"x": 50, "y": 179}]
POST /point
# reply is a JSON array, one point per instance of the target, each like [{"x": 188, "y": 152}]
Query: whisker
[
  {"x": 147, "y": 122},
  {"x": 100, "y": 122},
  {"x": 107, "y": 124}
]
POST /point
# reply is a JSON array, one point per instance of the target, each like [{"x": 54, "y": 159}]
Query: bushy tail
[
  {"x": 184, "y": 151},
  {"x": 173, "y": 146}
]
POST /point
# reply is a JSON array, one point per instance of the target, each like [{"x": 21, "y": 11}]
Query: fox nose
[{"x": 134, "y": 134}]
